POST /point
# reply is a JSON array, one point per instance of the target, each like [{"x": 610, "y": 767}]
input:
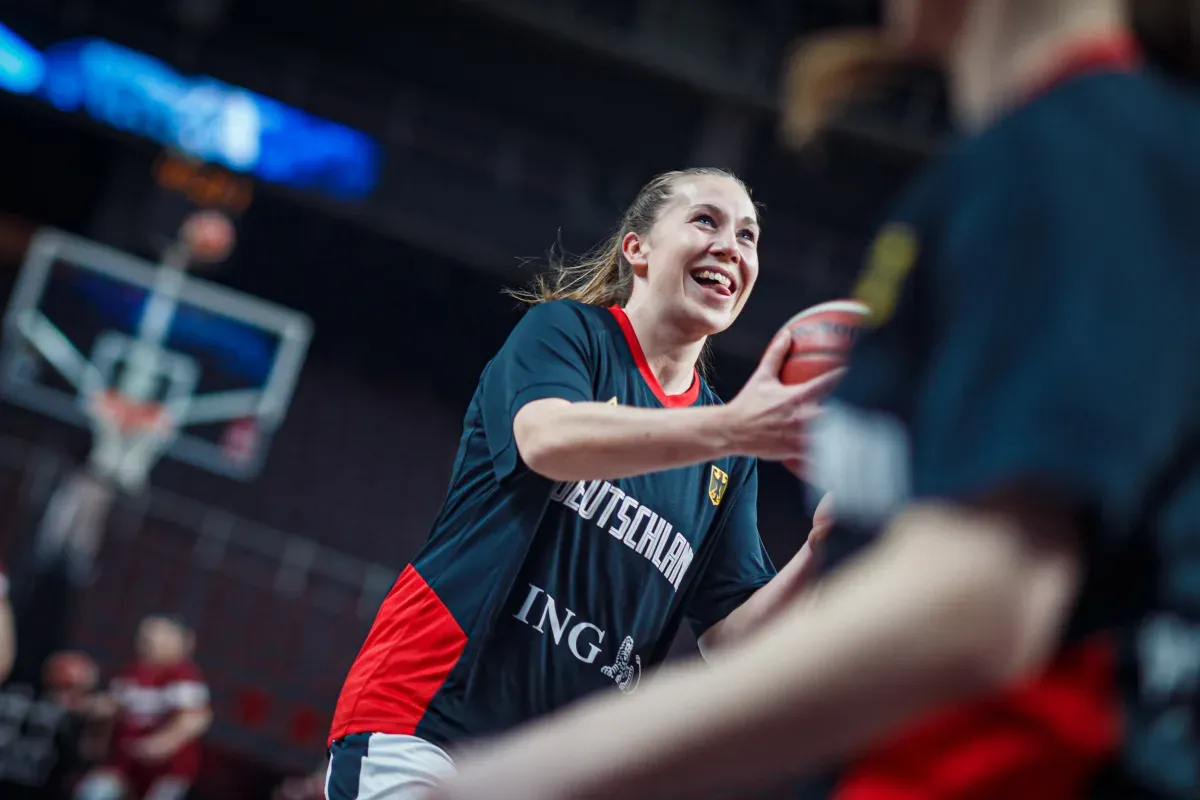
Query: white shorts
[{"x": 383, "y": 766}]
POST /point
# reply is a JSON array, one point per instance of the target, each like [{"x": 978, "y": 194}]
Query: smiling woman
[
  {"x": 601, "y": 496},
  {"x": 606, "y": 275}
]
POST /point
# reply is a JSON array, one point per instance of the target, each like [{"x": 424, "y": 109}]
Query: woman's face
[
  {"x": 699, "y": 261},
  {"x": 162, "y": 641},
  {"x": 925, "y": 28}
]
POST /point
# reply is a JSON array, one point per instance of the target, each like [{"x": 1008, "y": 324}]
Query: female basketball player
[
  {"x": 1023, "y": 422},
  {"x": 601, "y": 495}
]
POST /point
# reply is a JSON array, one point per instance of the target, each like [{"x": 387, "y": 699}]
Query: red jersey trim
[
  {"x": 1044, "y": 739},
  {"x": 639, "y": 358},
  {"x": 413, "y": 646},
  {"x": 1110, "y": 52}
]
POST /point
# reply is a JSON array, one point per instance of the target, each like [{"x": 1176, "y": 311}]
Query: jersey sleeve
[
  {"x": 1016, "y": 356},
  {"x": 739, "y": 566},
  {"x": 187, "y": 689},
  {"x": 548, "y": 355}
]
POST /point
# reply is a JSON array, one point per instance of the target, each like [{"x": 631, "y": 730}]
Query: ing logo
[{"x": 890, "y": 260}]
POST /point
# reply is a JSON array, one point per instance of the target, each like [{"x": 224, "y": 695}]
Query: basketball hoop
[
  {"x": 209, "y": 235},
  {"x": 129, "y": 416},
  {"x": 157, "y": 383},
  {"x": 130, "y": 436}
]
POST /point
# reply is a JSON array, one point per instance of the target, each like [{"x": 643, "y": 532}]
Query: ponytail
[
  {"x": 825, "y": 73},
  {"x": 601, "y": 278},
  {"x": 1169, "y": 33}
]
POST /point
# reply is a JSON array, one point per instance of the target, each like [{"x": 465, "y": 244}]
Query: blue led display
[
  {"x": 203, "y": 117},
  {"x": 21, "y": 67}
]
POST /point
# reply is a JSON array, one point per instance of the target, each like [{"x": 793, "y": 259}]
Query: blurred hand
[
  {"x": 822, "y": 523},
  {"x": 101, "y": 706},
  {"x": 152, "y": 749},
  {"x": 768, "y": 418}
]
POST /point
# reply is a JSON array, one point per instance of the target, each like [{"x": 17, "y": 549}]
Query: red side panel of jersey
[
  {"x": 1043, "y": 740},
  {"x": 410, "y": 651}
]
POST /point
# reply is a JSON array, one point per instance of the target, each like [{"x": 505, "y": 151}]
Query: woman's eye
[
  {"x": 748, "y": 235},
  {"x": 706, "y": 219}
]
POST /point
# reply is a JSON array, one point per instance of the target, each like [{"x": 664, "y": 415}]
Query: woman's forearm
[
  {"x": 763, "y": 605},
  {"x": 186, "y": 726},
  {"x": 932, "y": 613},
  {"x": 586, "y": 441}
]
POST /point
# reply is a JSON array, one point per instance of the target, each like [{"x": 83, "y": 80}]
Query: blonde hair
[
  {"x": 602, "y": 276},
  {"x": 823, "y": 74}
]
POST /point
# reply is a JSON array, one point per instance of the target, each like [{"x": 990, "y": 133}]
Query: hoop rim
[{"x": 130, "y": 415}]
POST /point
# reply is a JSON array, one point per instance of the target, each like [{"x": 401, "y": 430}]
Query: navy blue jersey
[
  {"x": 530, "y": 593},
  {"x": 1035, "y": 313}
]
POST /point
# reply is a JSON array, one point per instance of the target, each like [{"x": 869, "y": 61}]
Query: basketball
[
  {"x": 209, "y": 235},
  {"x": 821, "y": 339}
]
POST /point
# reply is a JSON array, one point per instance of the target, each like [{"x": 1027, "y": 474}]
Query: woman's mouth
[{"x": 716, "y": 281}]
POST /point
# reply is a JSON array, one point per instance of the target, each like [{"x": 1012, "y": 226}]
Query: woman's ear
[{"x": 633, "y": 247}]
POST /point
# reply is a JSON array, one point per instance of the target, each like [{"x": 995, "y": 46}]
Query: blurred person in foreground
[
  {"x": 601, "y": 496},
  {"x": 8, "y": 630},
  {"x": 1016, "y": 445},
  {"x": 157, "y": 710}
]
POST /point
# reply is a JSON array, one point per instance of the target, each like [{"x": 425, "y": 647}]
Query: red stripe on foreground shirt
[{"x": 1045, "y": 739}]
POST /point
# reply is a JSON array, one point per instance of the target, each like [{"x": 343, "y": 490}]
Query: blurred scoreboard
[
  {"x": 197, "y": 116},
  {"x": 203, "y": 185}
]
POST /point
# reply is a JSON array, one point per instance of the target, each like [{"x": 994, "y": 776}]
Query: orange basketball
[
  {"x": 209, "y": 235},
  {"x": 821, "y": 339}
]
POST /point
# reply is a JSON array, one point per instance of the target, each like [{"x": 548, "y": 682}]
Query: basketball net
[
  {"x": 128, "y": 437},
  {"x": 130, "y": 430}
]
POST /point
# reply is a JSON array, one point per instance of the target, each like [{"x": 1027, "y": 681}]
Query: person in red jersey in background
[{"x": 158, "y": 708}]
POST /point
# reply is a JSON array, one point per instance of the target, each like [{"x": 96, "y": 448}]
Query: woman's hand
[
  {"x": 822, "y": 523},
  {"x": 769, "y": 418}
]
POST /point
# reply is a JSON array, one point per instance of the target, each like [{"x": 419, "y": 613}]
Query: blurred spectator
[
  {"x": 157, "y": 710},
  {"x": 42, "y": 741},
  {"x": 15, "y": 233}
]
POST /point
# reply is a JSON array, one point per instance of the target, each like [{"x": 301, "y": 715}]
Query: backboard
[{"x": 85, "y": 318}]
